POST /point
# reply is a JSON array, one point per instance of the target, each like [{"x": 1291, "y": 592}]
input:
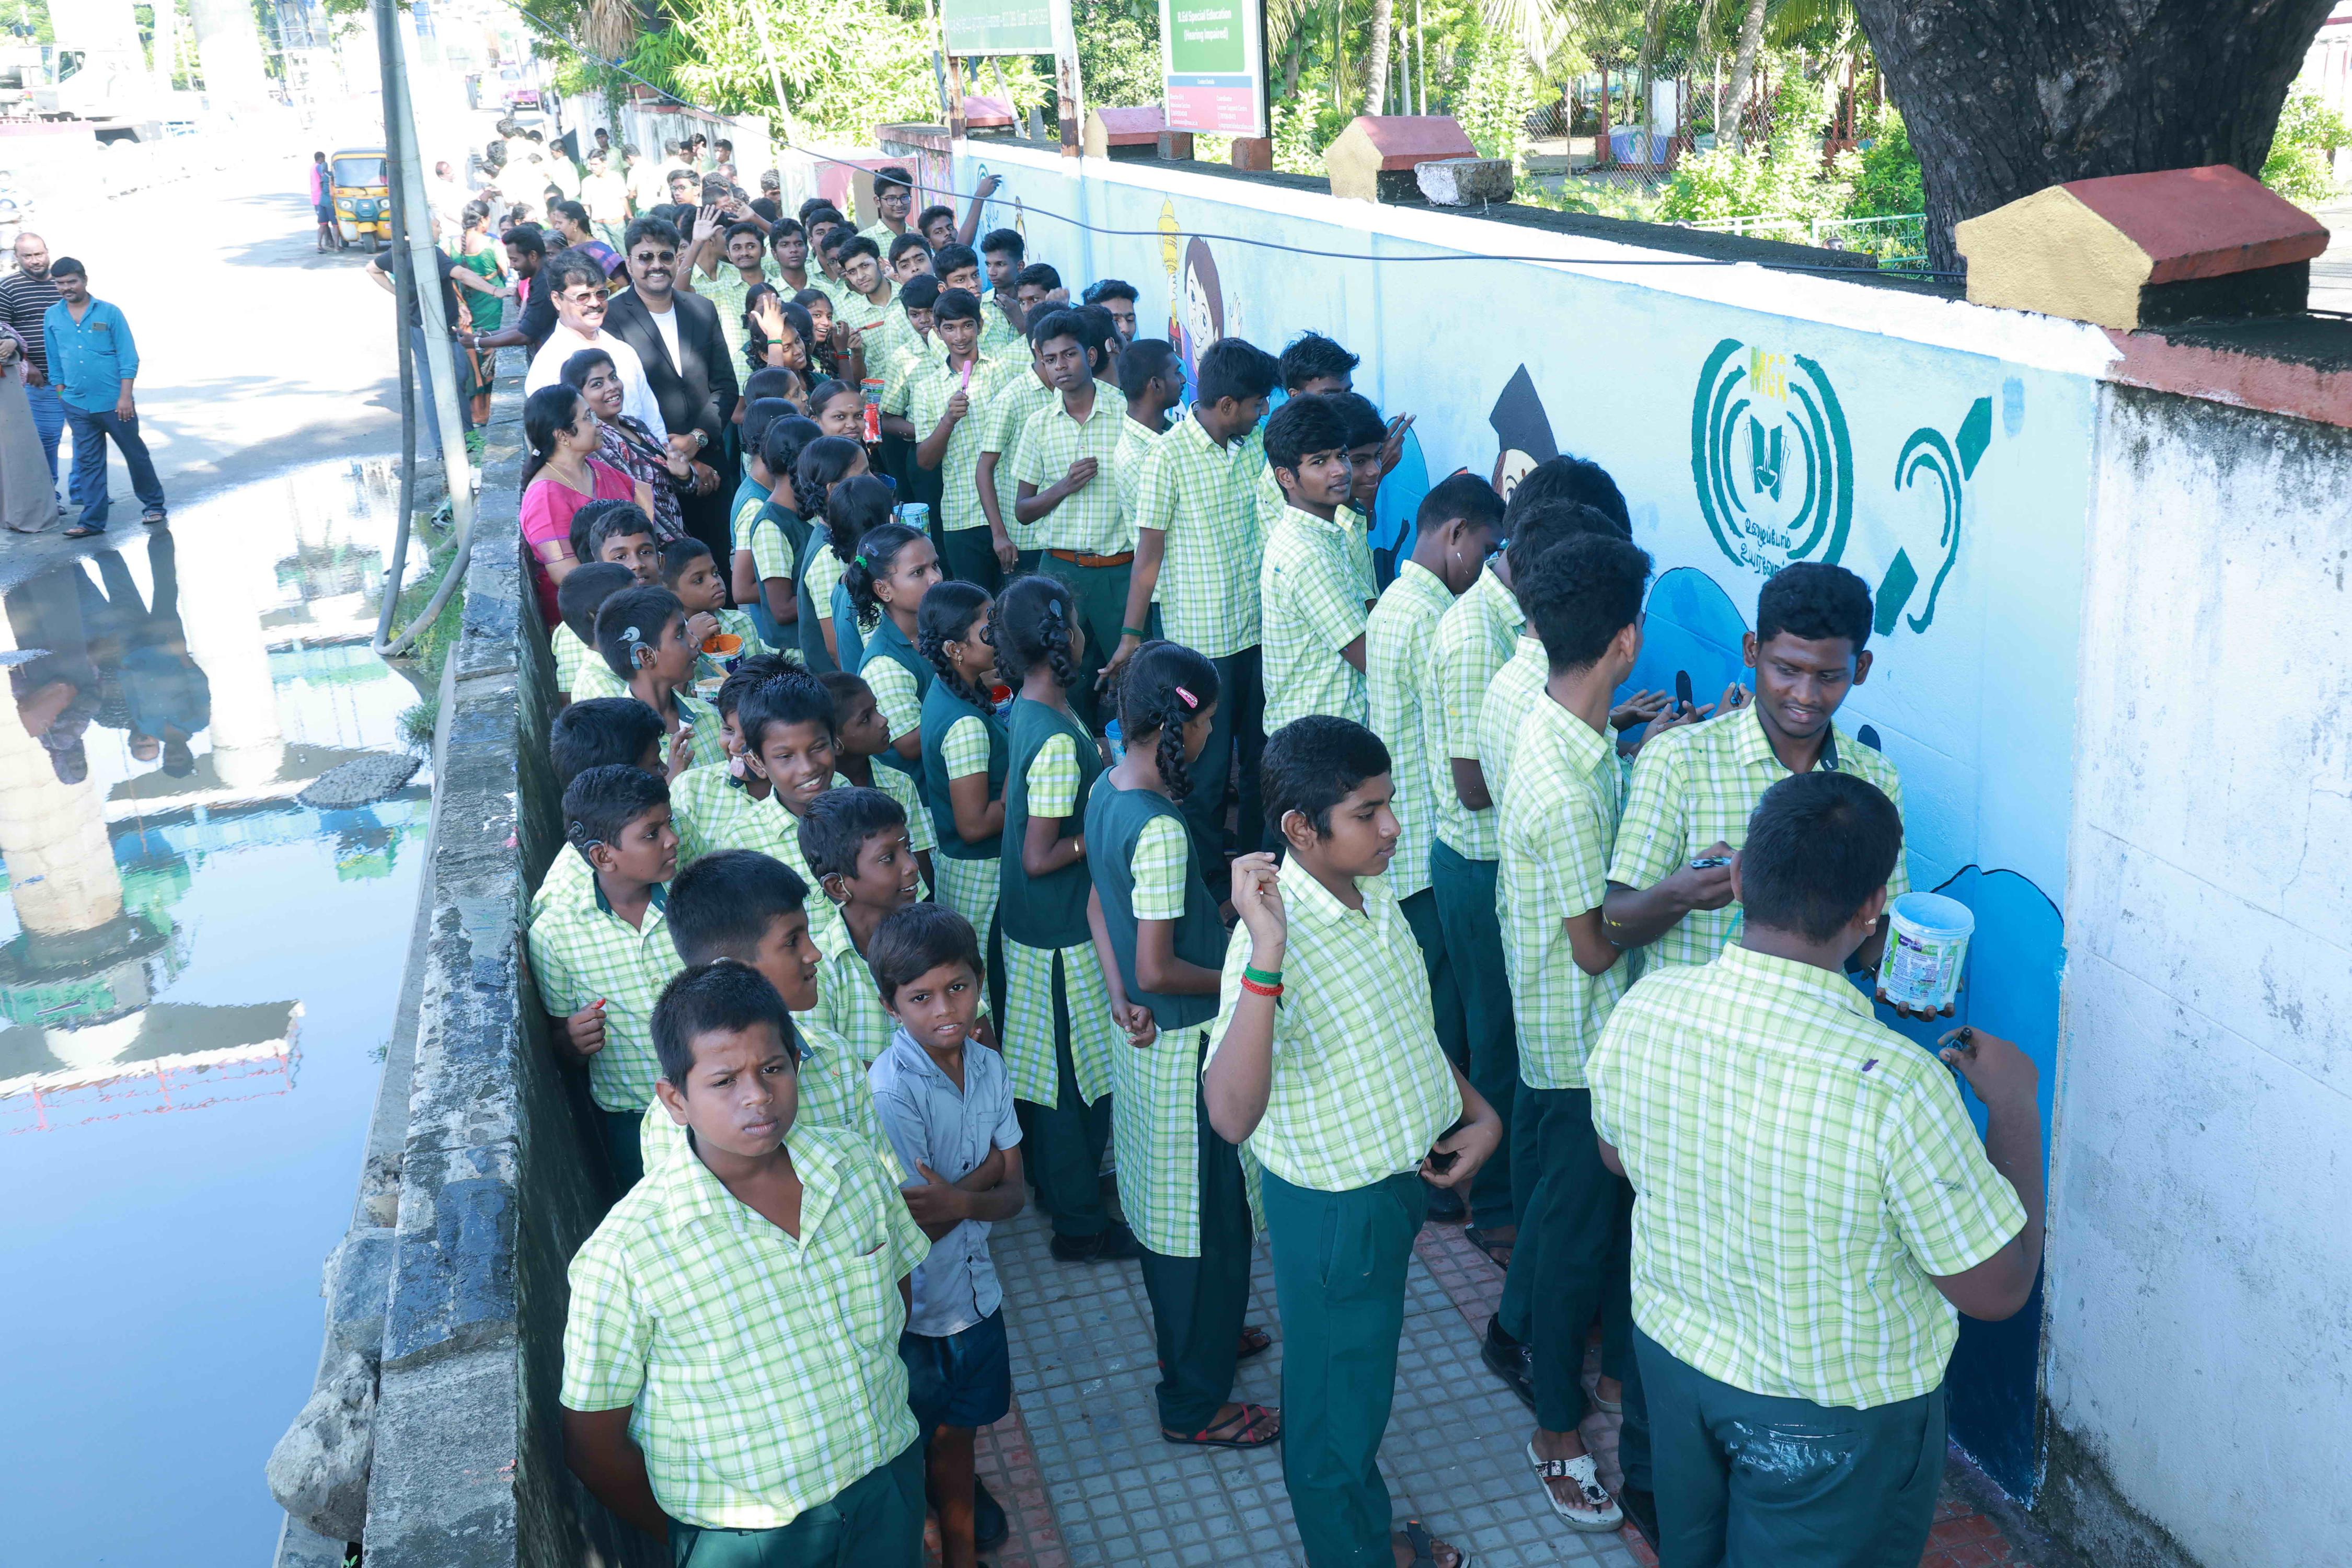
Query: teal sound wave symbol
[{"x": 1951, "y": 463}]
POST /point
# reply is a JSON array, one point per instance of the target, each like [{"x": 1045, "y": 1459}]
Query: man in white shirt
[
  {"x": 448, "y": 196},
  {"x": 578, "y": 285}
]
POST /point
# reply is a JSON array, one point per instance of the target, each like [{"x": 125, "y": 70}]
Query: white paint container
[{"x": 1926, "y": 943}]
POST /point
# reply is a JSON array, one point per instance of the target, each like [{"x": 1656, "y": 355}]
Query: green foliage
[
  {"x": 1782, "y": 179},
  {"x": 1118, "y": 52},
  {"x": 847, "y": 64},
  {"x": 26, "y": 22},
  {"x": 2301, "y": 165},
  {"x": 1494, "y": 102},
  {"x": 1887, "y": 183}
]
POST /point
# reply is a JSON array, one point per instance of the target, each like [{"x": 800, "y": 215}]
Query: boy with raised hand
[
  {"x": 1021, "y": 391},
  {"x": 1343, "y": 1095},
  {"x": 751, "y": 908},
  {"x": 600, "y": 951},
  {"x": 855, "y": 841},
  {"x": 1310, "y": 600},
  {"x": 1693, "y": 791},
  {"x": 864, "y": 304},
  {"x": 942, "y": 405},
  {"x": 1809, "y": 1186},
  {"x": 581, "y": 671},
  {"x": 764, "y": 1271},
  {"x": 948, "y": 1109},
  {"x": 1067, "y": 493},
  {"x": 1196, "y": 556},
  {"x": 1583, "y": 598},
  {"x": 1455, "y": 532}
]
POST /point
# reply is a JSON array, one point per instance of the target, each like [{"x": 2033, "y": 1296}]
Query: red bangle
[{"x": 1255, "y": 989}]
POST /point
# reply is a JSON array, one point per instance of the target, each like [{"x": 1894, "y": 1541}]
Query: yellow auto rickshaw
[{"x": 361, "y": 196}]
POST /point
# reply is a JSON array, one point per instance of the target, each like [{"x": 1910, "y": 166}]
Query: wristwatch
[{"x": 700, "y": 440}]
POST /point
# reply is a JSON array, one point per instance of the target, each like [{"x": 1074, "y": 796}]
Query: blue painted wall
[{"x": 1953, "y": 482}]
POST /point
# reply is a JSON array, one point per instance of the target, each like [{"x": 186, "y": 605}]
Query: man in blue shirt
[{"x": 92, "y": 362}]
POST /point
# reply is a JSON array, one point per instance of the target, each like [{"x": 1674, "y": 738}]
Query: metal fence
[{"x": 1898, "y": 242}]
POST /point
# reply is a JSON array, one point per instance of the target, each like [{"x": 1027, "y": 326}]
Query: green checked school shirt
[
  {"x": 1397, "y": 639},
  {"x": 580, "y": 669},
  {"x": 1309, "y": 608},
  {"x": 581, "y": 951},
  {"x": 1093, "y": 520},
  {"x": 847, "y": 1002},
  {"x": 761, "y": 1371},
  {"x": 863, "y": 314},
  {"x": 921, "y": 396},
  {"x": 770, "y": 546},
  {"x": 1697, "y": 785},
  {"x": 1355, "y": 524},
  {"x": 1360, "y": 1087},
  {"x": 1511, "y": 696},
  {"x": 1801, "y": 1171},
  {"x": 1017, "y": 395},
  {"x": 726, "y": 291},
  {"x": 1135, "y": 443},
  {"x": 715, "y": 811},
  {"x": 1202, "y": 497},
  {"x": 1475, "y": 639},
  {"x": 1557, "y": 827}
]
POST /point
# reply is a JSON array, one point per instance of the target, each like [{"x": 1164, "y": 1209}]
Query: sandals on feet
[
  {"x": 1497, "y": 1251},
  {"x": 1417, "y": 1536},
  {"x": 1254, "y": 1427},
  {"x": 1254, "y": 1341},
  {"x": 1600, "y": 1513}
]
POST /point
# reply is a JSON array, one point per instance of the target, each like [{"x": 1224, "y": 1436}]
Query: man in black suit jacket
[{"x": 687, "y": 366}]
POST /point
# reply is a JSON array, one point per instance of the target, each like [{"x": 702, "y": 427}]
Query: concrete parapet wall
[{"x": 499, "y": 1184}]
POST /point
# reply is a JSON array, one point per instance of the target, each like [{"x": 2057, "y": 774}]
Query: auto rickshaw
[{"x": 361, "y": 196}]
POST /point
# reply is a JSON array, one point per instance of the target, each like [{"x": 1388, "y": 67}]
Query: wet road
[{"x": 198, "y": 971}]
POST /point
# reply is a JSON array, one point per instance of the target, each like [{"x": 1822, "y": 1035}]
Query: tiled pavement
[{"x": 1086, "y": 1480}]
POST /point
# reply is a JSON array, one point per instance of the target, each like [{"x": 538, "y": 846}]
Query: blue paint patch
[
  {"x": 1692, "y": 626},
  {"x": 1397, "y": 506}
]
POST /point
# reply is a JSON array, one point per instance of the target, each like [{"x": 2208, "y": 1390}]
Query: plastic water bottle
[{"x": 1117, "y": 743}]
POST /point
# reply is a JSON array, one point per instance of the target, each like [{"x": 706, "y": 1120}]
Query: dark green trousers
[
  {"x": 1068, "y": 1137},
  {"x": 965, "y": 553},
  {"x": 1237, "y": 734},
  {"x": 1473, "y": 942},
  {"x": 1339, "y": 1279},
  {"x": 1445, "y": 994},
  {"x": 1747, "y": 1480},
  {"x": 1197, "y": 1303},
  {"x": 621, "y": 1129},
  {"x": 874, "y": 1521},
  {"x": 1573, "y": 1258},
  {"x": 1100, "y": 595}
]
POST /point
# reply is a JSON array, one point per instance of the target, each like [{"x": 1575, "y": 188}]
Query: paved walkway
[{"x": 1086, "y": 1480}]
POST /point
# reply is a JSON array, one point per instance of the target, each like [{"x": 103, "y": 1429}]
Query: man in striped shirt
[{"x": 26, "y": 296}]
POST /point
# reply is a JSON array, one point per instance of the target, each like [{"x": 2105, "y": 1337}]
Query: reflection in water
[{"x": 180, "y": 931}]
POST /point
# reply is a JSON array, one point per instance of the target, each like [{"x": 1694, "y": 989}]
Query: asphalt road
[{"x": 257, "y": 351}]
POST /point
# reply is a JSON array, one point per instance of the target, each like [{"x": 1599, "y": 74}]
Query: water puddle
[{"x": 197, "y": 978}]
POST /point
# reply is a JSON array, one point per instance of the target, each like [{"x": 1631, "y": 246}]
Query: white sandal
[{"x": 1600, "y": 1514}]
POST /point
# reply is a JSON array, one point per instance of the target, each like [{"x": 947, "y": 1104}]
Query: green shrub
[{"x": 2301, "y": 165}]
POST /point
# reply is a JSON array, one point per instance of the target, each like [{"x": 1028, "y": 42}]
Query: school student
[
  {"x": 751, "y": 908},
  {"x": 1323, "y": 1061},
  {"x": 1311, "y": 603},
  {"x": 753, "y": 488},
  {"x": 642, "y": 634},
  {"x": 691, "y": 571},
  {"x": 1001, "y": 252},
  {"x": 600, "y": 955},
  {"x": 620, "y": 533},
  {"x": 1058, "y": 1037},
  {"x": 1693, "y": 791},
  {"x": 863, "y": 738},
  {"x": 1813, "y": 1204},
  {"x": 579, "y": 671},
  {"x": 1117, "y": 296},
  {"x": 1162, "y": 946},
  {"x": 855, "y": 840},
  {"x": 943, "y": 402},
  {"x": 1066, "y": 494},
  {"x": 1368, "y": 442},
  {"x": 1583, "y": 598},
  {"x": 771, "y": 543},
  {"x": 787, "y": 728},
  {"x": 762, "y": 1273},
  {"x": 702, "y": 798},
  {"x": 1517, "y": 687},
  {"x": 947, "y": 1105},
  {"x": 1455, "y": 532},
  {"x": 602, "y": 732},
  {"x": 1020, "y": 392},
  {"x": 886, "y": 580},
  {"x": 1196, "y": 551},
  {"x": 964, "y": 754},
  {"x": 1152, "y": 379},
  {"x": 826, "y": 465}
]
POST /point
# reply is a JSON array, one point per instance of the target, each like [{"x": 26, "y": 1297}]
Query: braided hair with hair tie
[
  {"x": 1164, "y": 688},
  {"x": 946, "y": 616},
  {"x": 877, "y": 557},
  {"x": 1030, "y": 624}
]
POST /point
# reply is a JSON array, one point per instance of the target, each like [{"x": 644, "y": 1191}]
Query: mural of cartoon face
[{"x": 1204, "y": 304}]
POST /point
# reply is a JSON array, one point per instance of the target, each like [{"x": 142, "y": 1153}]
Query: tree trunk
[
  {"x": 1743, "y": 65},
  {"x": 1376, "y": 68},
  {"x": 2003, "y": 99}
]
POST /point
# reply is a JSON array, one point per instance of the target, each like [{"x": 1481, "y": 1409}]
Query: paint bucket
[{"x": 1926, "y": 943}]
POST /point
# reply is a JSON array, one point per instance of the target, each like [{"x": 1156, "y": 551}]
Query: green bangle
[
  {"x": 1134, "y": 632},
  {"x": 1264, "y": 977}
]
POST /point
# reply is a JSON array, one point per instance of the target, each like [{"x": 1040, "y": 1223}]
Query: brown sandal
[
  {"x": 1254, "y": 1341},
  {"x": 1258, "y": 1427}
]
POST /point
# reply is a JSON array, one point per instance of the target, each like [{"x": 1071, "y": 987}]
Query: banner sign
[
  {"x": 997, "y": 27},
  {"x": 1214, "y": 55}
]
